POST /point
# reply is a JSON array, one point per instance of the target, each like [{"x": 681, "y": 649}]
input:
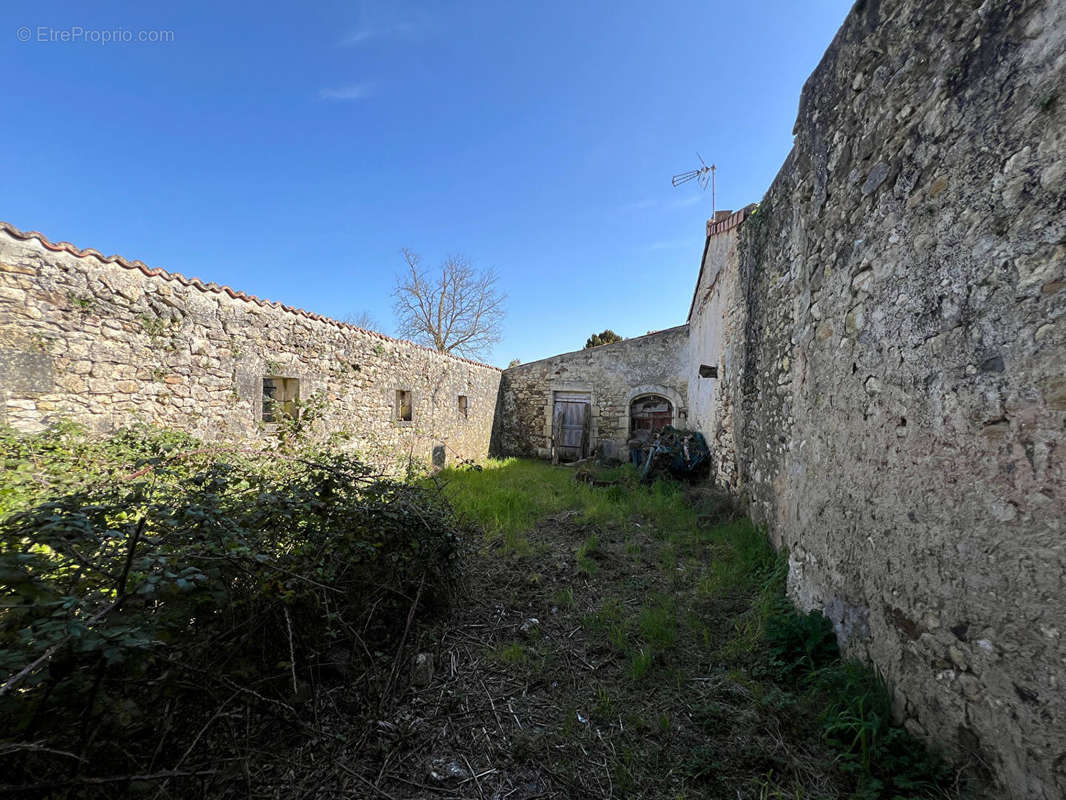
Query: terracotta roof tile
[{"x": 211, "y": 288}]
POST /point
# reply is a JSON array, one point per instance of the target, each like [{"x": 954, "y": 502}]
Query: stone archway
[
  {"x": 671, "y": 396},
  {"x": 649, "y": 413}
]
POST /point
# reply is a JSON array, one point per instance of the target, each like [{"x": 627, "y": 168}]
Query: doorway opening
[
  {"x": 650, "y": 413},
  {"x": 571, "y": 416}
]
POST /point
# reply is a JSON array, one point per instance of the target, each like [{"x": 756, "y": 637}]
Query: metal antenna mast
[{"x": 704, "y": 175}]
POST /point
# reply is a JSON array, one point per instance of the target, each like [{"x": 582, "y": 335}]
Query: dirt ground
[
  {"x": 536, "y": 690},
  {"x": 588, "y": 659}
]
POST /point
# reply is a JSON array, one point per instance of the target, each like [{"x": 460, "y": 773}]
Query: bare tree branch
[
  {"x": 458, "y": 310},
  {"x": 363, "y": 319}
]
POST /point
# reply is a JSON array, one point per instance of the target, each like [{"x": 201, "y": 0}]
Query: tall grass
[
  {"x": 509, "y": 495},
  {"x": 720, "y": 604}
]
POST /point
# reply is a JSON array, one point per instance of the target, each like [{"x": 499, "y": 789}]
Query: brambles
[{"x": 155, "y": 589}]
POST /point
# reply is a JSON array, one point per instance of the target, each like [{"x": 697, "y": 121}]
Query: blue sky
[{"x": 292, "y": 151}]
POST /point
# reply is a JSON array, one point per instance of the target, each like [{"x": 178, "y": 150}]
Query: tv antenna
[{"x": 703, "y": 176}]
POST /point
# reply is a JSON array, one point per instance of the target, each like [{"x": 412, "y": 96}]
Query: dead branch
[
  {"x": 90, "y": 781},
  {"x": 403, "y": 640}
]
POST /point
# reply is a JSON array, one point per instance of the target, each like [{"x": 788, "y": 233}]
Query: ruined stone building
[{"x": 876, "y": 354}]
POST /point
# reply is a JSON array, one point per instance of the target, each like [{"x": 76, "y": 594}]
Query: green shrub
[{"x": 151, "y": 588}]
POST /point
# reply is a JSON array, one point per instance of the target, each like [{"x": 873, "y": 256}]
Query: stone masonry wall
[
  {"x": 715, "y": 338},
  {"x": 900, "y": 417},
  {"x": 614, "y": 374},
  {"x": 99, "y": 341}
]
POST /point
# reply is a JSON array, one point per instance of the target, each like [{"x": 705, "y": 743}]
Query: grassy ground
[
  {"x": 608, "y": 640},
  {"x": 632, "y": 641}
]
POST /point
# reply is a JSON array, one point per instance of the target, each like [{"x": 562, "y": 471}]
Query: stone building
[
  {"x": 109, "y": 342},
  {"x": 608, "y": 392},
  {"x": 712, "y": 361}
]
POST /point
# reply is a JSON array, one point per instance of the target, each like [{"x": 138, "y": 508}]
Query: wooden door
[
  {"x": 570, "y": 428},
  {"x": 651, "y": 413}
]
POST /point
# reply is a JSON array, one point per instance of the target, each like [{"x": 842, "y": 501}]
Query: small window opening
[
  {"x": 404, "y": 410},
  {"x": 707, "y": 371},
  {"x": 280, "y": 396},
  {"x": 464, "y": 406}
]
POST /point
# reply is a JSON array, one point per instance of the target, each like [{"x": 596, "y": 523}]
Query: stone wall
[
  {"x": 613, "y": 374},
  {"x": 900, "y": 408},
  {"x": 107, "y": 343},
  {"x": 716, "y": 322}
]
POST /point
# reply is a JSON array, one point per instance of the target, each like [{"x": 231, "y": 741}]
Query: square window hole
[
  {"x": 279, "y": 397},
  {"x": 404, "y": 406}
]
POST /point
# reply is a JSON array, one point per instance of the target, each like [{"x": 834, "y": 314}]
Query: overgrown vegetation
[
  {"x": 173, "y": 614},
  {"x": 181, "y": 620},
  {"x": 677, "y": 667}
]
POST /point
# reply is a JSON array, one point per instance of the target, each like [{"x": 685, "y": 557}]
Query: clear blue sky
[{"x": 291, "y": 150}]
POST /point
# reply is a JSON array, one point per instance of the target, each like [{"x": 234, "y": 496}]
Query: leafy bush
[{"x": 153, "y": 590}]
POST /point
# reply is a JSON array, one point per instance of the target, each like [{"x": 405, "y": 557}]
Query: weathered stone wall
[
  {"x": 900, "y": 410},
  {"x": 101, "y": 342},
  {"x": 614, "y": 374},
  {"x": 716, "y": 323}
]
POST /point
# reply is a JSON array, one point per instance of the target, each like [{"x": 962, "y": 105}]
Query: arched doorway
[{"x": 649, "y": 412}]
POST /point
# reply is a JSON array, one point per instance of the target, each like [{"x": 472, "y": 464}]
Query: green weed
[
  {"x": 86, "y": 304},
  {"x": 640, "y": 663},
  {"x": 658, "y": 624},
  {"x": 564, "y": 598},
  {"x": 586, "y": 551},
  {"x": 155, "y": 327},
  {"x": 513, "y": 654},
  {"x": 692, "y": 614}
]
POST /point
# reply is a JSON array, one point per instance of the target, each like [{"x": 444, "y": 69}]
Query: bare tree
[
  {"x": 455, "y": 309},
  {"x": 364, "y": 319}
]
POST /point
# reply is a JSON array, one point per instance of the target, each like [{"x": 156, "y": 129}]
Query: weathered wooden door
[
  {"x": 651, "y": 413},
  {"x": 570, "y": 426}
]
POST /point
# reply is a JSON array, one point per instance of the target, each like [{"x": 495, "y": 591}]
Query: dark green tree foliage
[
  {"x": 153, "y": 591},
  {"x": 607, "y": 337}
]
